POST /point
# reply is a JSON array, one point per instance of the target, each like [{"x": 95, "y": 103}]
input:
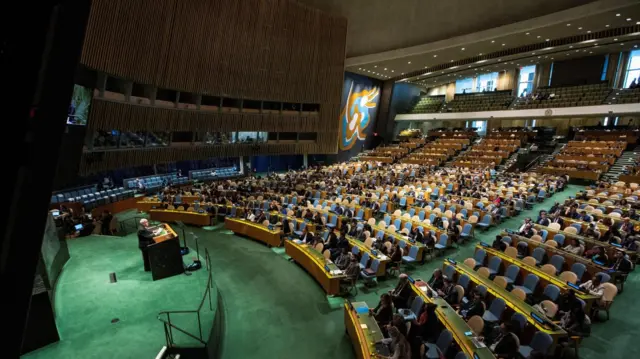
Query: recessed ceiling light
[
  {"x": 533, "y": 53},
  {"x": 539, "y": 36},
  {"x": 492, "y": 41},
  {"x": 481, "y": 54},
  {"x": 617, "y": 14},
  {"x": 402, "y": 73},
  {"x": 547, "y": 40},
  {"x": 392, "y": 71},
  {"x": 435, "y": 55},
  {"x": 539, "y": 56},
  {"x": 375, "y": 65},
  {"x": 571, "y": 47},
  {"x": 499, "y": 59},
  {"x": 552, "y": 58},
  {"x": 451, "y": 61},
  {"x": 622, "y": 44},
  {"x": 503, "y": 44},
  {"x": 359, "y": 68},
  {"x": 462, "y": 49},
  {"x": 580, "y": 28},
  {"x": 527, "y": 33},
  {"x": 591, "y": 52},
  {"x": 409, "y": 62},
  {"x": 628, "y": 19},
  {"x": 606, "y": 25},
  {"x": 637, "y": 22},
  {"x": 568, "y": 24},
  {"x": 588, "y": 32},
  {"x": 385, "y": 69},
  {"x": 577, "y": 50},
  {"x": 368, "y": 71}
]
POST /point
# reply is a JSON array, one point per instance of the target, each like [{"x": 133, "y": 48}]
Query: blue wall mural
[{"x": 359, "y": 109}]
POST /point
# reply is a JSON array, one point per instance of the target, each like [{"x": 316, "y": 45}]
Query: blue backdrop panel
[{"x": 359, "y": 110}]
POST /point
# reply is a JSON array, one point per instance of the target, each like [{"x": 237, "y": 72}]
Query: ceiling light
[
  {"x": 580, "y": 28},
  {"x": 392, "y": 71},
  {"x": 435, "y": 55},
  {"x": 368, "y": 71},
  {"x": 571, "y": 47},
  {"x": 539, "y": 56},
  {"x": 503, "y": 44},
  {"x": 527, "y": 33},
  {"x": 499, "y": 59},
  {"x": 492, "y": 41},
  {"x": 606, "y": 25},
  {"x": 577, "y": 50},
  {"x": 359, "y": 68},
  {"x": 462, "y": 49},
  {"x": 409, "y": 62},
  {"x": 533, "y": 53},
  {"x": 539, "y": 36},
  {"x": 617, "y": 14},
  {"x": 385, "y": 69},
  {"x": 622, "y": 44},
  {"x": 552, "y": 58},
  {"x": 451, "y": 61},
  {"x": 546, "y": 39},
  {"x": 637, "y": 22},
  {"x": 591, "y": 52},
  {"x": 402, "y": 73},
  {"x": 636, "y": 46},
  {"x": 375, "y": 65},
  {"x": 568, "y": 24},
  {"x": 588, "y": 32},
  {"x": 628, "y": 19}
]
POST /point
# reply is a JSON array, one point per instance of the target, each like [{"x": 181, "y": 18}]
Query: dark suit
[
  {"x": 339, "y": 210},
  {"x": 306, "y": 238},
  {"x": 145, "y": 239},
  {"x": 543, "y": 221},
  {"x": 507, "y": 346},
  {"x": 558, "y": 220},
  {"x": 472, "y": 308}
]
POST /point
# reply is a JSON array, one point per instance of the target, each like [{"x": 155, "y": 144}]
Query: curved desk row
[
  {"x": 535, "y": 319},
  {"x": 324, "y": 271},
  {"x": 186, "y": 217},
  {"x": 254, "y": 230}
]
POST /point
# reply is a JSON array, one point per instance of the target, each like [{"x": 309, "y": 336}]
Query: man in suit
[
  {"x": 622, "y": 263},
  {"x": 339, "y": 210},
  {"x": 416, "y": 235},
  {"x": 627, "y": 227},
  {"x": 145, "y": 239},
  {"x": 348, "y": 213},
  {"x": 543, "y": 220},
  {"x": 306, "y": 237}
]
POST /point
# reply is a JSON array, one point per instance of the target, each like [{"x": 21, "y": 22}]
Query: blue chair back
[
  {"x": 387, "y": 220},
  {"x": 443, "y": 239},
  {"x": 364, "y": 260},
  {"x": 541, "y": 342},
  {"x": 398, "y": 223},
  {"x": 557, "y": 261},
  {"x": 416, "y": 305},
  {"x": 518, "y": 317},
  {"x": 494, "y": 263},
  {"x": 482, "y": 290},
  {"x": 543, "y": 233},
  {"x": 486, "y": 219},
  {"x": 374, "y": 265},
  {"x": 578, "y": 269},
  {"x": 577, "y": 226},
  {"x": 412, "y": 212},
  {"x": 538, "y": 254},
  {"x": 408, "y": 226},
  {"x": 380, "y": 235},
  {"x": 403, "y": 201},
  {"x": 432, "y": 217},
  {"x": 552, "y": 292},
  {"x": 355, "y": 250},
  {"x": 413, "y": 252},
  {"x": 403, "y": 244},
  {"x": 512, "y": 272},
  {"x": 559, "y": 238},
  {"x": 508, "y": 240},
  {"x": 421, "y": 215},
  {"x": 604, "y": 277},
  {"x": 466, "y": 230},
  {"x": 497, "y": 307},
  {"x": 464, "y": 212},
  {"x": 383, "y": 207},
  {"x": 444, "y": 340},
  {"x": 449, "y": 271},
  {"x": 463, "y": 281},
  {"x": 531, "y": 282},
  {"x": 479, "y": 256}
]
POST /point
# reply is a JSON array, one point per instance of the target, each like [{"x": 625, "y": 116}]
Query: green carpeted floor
[
  {"x": 274, "y": 309},
  {"x": 86, "y": 303}
]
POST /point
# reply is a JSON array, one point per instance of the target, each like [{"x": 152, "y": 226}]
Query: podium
[{"x": 164, "y": 255}]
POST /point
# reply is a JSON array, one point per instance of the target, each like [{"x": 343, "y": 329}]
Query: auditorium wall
[
  {"x": 250, "y": 50},
  {"x": 358, "y": 114},
  {"x": 404, "y": 95}
]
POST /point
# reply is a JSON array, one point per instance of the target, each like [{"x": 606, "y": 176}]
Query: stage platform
[{"x": 99, "y": 319}]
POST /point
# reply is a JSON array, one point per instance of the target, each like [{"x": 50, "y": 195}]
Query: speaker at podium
[{"x": 165, "y": 257}]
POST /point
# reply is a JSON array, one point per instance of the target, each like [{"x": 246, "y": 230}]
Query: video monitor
[{"x": 78, "y": 112}]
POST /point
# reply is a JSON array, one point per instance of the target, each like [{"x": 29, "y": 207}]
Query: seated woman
[
  {"x": 400, "y": 294},
  {"x": 383, "y": 312}
]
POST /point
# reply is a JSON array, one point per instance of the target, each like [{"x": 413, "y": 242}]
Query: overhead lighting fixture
[
  {"x": 402, "y": 73},
  {"x": 375, "y": 65},
  {"x": 571, "y": 47},
  {"x": 451, "y": 61},
  {"x": 435, "y": 55},
  {"x": 385, "y": 69},
  {"x": 527, "y": 33},
  {"x": 480, "y": 54},
  {"x": 617, "y": 14},
  {"x": 392, "y": 71},
  {"x": 503, "y": 44},
  {"x": 588, "y": 32},
  {"x": 568, "y": 24},
  {"x": 409, "y": 62},
  {"x": 591, "y": 52},
  {"x": 480, "y": 61},
  {"x": 588, "y": 41},
  {"x": 580, "y": 28},
  {"x": 539, "y": 36},
  {"x": 462, "y": 49},
  {"x": 492, "y": 41},
  {"x": 628, "y": 19},
  {"x": 546, "y": 40},
  {"x": 606, "y": 25}
]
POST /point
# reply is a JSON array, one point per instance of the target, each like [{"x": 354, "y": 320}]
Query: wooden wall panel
[
  {"x": 274, "y": 50},
  {"x": 109, "y": 160},
  {"x": 111, "y": 115}
]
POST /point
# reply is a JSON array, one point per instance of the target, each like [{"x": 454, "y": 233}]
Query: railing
[{"x": 166, "y": 316}]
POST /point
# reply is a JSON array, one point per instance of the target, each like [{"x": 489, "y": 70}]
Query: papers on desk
[
  {"x": 363, "y": 326},
  {"x": 297, "y": 241},
  {"x": 383, "y": 257},
  {"x": 335, "y": 272}
]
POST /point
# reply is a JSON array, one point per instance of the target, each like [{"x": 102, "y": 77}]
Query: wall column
[
  {"x": 241, "y": 165},
  {"x": 305, "y": 160}
]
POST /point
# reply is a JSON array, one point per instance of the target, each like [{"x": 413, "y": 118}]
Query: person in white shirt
[
  {"x": 574, "y": 247},
  {"x": 593, "y": 287},
  {"x": 526, "y": 221}
]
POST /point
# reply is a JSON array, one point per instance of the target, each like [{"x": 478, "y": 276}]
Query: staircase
[
  {"x": 510, "y": 161},
  {"x": 546, "y": 158},
  {"x": 625, "y": 160}
]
